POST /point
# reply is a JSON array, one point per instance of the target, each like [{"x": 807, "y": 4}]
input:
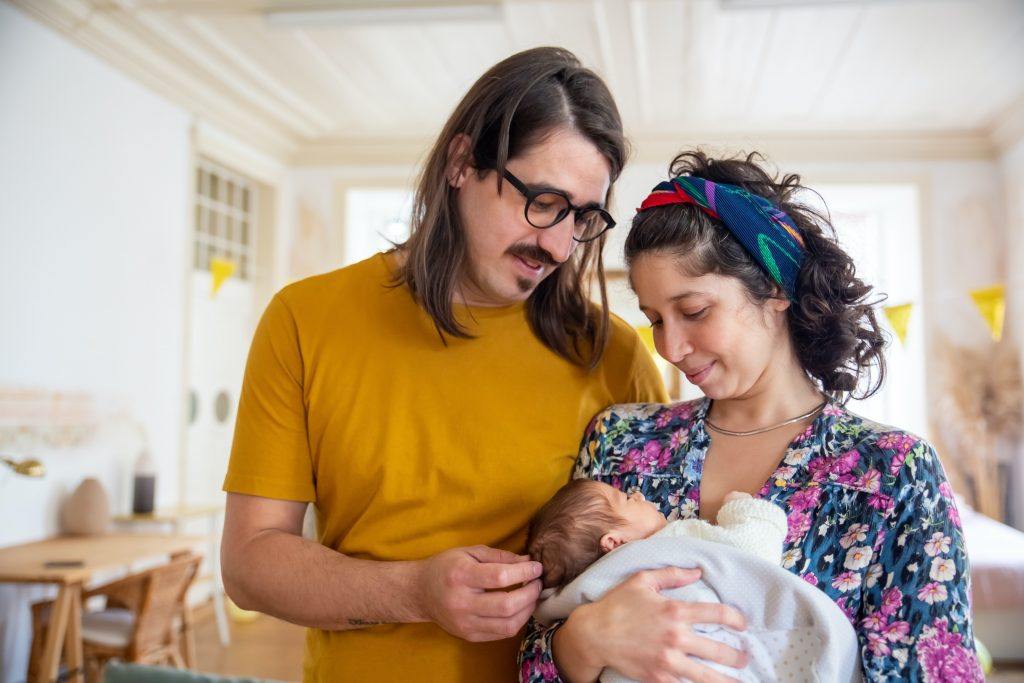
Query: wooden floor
[{"x": 264, "y": 648}]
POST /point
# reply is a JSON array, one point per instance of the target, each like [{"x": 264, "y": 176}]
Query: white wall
[{"x": 96, "y": 175}]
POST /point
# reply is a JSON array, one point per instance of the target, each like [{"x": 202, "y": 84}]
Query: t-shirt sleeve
[
  {"x": 645, "y": 384},
  {"x": 270, "y": 455}
]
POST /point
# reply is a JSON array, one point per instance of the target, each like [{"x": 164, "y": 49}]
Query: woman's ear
[
  {"x": 459, "y": 158},
  {"x": 612, "y": 540}
]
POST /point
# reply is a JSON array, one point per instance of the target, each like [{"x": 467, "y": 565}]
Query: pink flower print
[
  {"x": 798, "y": 524},
  {"x": 897, "y": 463},
  {"x": 664, "y": 458},
  {"x": 805, "y": 499},
  {"x": 892, "y": 600},
  {"x": 664, "y": 417},
  {"x": 694, "y": 495},
  {"x": 897, "y": 441},
  {"x": 642, "y": 461},
  {"x": 873, "y": 622},
  {"x": 880, "y": 540},
  {"x": 938, "y": 544},
  {"x": 877, "y": 645},
  {"x": 954, "y": 514},
  {"x": 847, "y": 610},
  {"x": 881, "y": 502},
  {"x": 818, "y": 467},
  {"x": 857, "y": 533},
  {"x": 896, "y": 631},
  {"x": 810, "y": 578},
  {"x": 943, "y": 656},
  {"x": 832, "y": 410},
  {"x": 870, "y": 480},
  {"x": 548, "y": 670},
  {"x": 680, "y": 437},
  {"x": 845, "y": 462},
  {"x": 846, "y": 581},
  {"x": 946, "y": 490},
  {"x": 932, "y": 593}
]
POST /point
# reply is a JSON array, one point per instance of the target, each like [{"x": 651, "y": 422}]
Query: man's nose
[{"x": 557, "y": 240}]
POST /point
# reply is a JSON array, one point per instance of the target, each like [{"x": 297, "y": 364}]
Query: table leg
[
  {"x": 55, "y": 632},
  {"x": 73, "y": 636}
]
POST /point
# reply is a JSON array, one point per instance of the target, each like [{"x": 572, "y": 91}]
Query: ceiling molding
[
  {"x": 853, "y": 147},
  {"x": 1008, "y": 128},
  {"x": 159, "y": 69}
]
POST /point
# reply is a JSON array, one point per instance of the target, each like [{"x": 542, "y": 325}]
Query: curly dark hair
[{"x": 832, "y": 322}]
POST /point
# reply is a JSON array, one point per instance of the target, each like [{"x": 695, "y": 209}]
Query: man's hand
[{"x": 462, "y": 591}]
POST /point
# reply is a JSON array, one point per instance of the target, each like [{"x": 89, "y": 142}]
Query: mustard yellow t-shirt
[{"x": 409, "y": 447}]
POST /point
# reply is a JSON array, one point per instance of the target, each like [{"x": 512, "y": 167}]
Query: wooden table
[{"x": 98, "y": 554}]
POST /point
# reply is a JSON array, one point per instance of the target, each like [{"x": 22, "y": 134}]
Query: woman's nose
[{"x": 674, "y": 344}]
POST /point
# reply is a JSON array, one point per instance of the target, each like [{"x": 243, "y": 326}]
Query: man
[{"x": 430, "y": 399}]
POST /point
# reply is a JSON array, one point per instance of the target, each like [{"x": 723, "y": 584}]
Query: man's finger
[
  {"x": 493, "y": 575},
  {"x": 499, "y": 629},
  {"x": 504, "y": 604},
  {"x": 482, "y": 553}
]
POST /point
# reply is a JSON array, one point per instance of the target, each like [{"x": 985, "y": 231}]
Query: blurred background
[{"x": 167, "y": 165}]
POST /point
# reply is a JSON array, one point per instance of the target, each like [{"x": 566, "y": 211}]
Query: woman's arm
[
  {"x": 915, "y": 618},
  {"x": 633, "y": 628}
]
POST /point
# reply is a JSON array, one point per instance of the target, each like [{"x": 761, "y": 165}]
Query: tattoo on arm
[{"x": 362, "y": 623}]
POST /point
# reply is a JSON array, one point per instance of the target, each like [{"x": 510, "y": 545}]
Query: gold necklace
[{"x": 762, "y": 430}]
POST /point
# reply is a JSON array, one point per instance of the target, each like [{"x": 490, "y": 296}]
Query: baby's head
[{"x": 583, "y": 521}]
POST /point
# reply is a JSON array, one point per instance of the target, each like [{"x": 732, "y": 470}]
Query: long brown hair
[
  {"x": 511, "y": 107},
  {"x": 832, "y": 322}
]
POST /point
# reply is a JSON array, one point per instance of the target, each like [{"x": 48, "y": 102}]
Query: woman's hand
[{"x": 646, "y": 636}]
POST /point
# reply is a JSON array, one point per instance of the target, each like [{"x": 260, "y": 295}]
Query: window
[
  {"x": 375, "y": 219},
  {"x": 225, "y": 212}
]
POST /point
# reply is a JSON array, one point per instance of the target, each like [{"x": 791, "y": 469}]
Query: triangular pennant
[
  {"x": 221, "y": 269},
  {"x": 899, "y": 319},
  {"x": 991, "y": 303}
]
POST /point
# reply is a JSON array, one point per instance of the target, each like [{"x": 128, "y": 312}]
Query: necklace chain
[{"x": 762, "y": 430}]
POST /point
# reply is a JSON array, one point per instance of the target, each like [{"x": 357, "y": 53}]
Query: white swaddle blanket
[{"x": 795, "y": 632}]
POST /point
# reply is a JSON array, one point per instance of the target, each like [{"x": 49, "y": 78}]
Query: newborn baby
[
  {"x": 587, "y": 519},
  {"x": 590, "y": 537}
]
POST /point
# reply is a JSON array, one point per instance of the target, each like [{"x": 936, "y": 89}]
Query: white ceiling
[{"x": 676, "y": 67}]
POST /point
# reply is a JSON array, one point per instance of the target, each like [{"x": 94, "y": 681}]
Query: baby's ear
[{"x": 611, "y": 540}]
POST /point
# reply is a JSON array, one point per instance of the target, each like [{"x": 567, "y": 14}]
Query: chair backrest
[{"x": 163, "y": 598}]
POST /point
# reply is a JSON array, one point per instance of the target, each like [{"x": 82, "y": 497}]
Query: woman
[{"x": 754, "y": 301}]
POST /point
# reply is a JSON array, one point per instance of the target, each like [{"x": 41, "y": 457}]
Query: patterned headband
[{"x": 768, "y": 234}]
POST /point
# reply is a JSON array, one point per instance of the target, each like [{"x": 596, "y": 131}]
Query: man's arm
[{"x": 268, "y": 566}]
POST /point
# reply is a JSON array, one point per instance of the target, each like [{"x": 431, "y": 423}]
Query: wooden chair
[{"x": 146, "y": 620}]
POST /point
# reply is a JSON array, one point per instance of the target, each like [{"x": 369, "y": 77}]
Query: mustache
[{"x": 532, "y": 252}]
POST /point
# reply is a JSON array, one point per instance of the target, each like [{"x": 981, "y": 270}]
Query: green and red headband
[{"x": 768, "y": 234}]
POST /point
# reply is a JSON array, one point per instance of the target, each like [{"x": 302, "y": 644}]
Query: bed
[{"x": 996, "y": 554}]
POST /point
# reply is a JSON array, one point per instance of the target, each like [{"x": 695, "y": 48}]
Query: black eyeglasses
[{"x": 547, "y": 208}]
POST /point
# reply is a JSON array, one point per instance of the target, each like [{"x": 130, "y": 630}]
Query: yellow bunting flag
[
  {"x": 899, "y": 318},
  {"x": 991, "y": 303},
  {"x": 647, "y": 337},
  {"x": 221, "y": 269}
]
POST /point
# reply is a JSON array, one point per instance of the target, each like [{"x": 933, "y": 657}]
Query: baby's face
[{"x": 642, "y": 517}]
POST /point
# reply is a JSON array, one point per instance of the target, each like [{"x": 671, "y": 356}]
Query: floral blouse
[{"x": 872, "y": 523}]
